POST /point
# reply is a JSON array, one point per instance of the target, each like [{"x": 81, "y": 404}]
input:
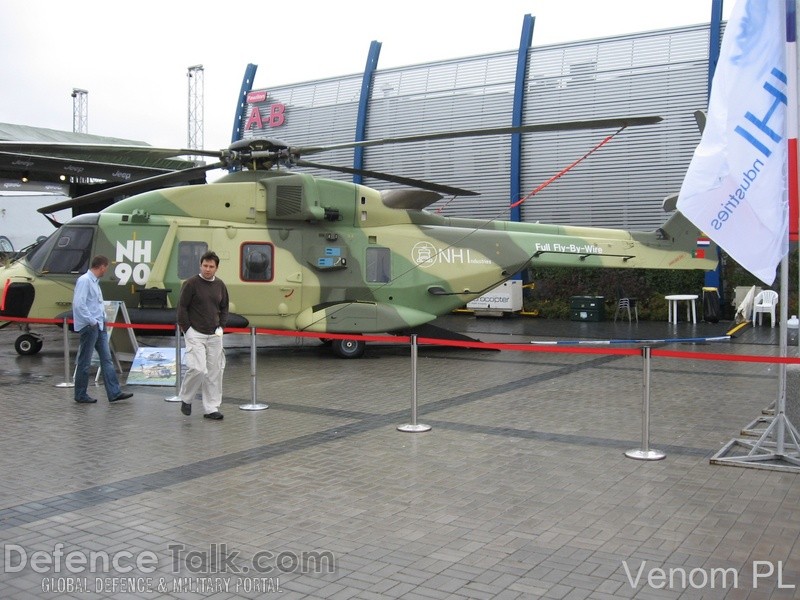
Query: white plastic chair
[
  {"x": 765, "y": 302},
  {"x": 625, "y": 303}
]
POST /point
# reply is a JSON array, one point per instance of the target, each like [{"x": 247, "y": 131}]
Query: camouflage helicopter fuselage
[{"x": 305, "y": 253}]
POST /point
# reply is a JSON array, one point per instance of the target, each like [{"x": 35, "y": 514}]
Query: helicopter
[{"x": 301, "y": 252}]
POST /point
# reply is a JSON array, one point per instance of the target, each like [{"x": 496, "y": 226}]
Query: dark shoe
[
  {"x": 122, "y": 396},
  {"x": 216, "y": 416},
  {"x": 186, "y": 408},
  {"x": 86, "y": 400}
]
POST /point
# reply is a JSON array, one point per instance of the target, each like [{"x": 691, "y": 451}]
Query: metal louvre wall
[
  {"x": 468, "y": 93},
  {"x": 656, "y": 73},
  {"x": 624, "y": 183}
]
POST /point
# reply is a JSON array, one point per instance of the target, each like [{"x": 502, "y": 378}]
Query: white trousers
[{"x": 205, "y": 363}]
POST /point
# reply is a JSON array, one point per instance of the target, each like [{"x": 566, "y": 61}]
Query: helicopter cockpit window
[
  {"x": 70, "y": 249},
  {"x": 6, "y": 248},
  {"x": 39, "y": 252},
  {"x": 379, "y": 261},
  {"x": 189, "y": 254},
  {"x": 256, "y": 263}
]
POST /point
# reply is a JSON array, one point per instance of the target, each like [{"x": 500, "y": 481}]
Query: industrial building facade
[{"x": 622, "y": 184}]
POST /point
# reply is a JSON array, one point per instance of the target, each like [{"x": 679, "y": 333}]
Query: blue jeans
[{"x": 93, "y": 339}]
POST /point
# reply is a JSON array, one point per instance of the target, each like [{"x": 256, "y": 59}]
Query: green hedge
[{"x": 552, "y": 288}]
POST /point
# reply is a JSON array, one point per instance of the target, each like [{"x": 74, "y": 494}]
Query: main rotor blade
[
  {"x": 446, "y": 135},
  {"x": 417, "y": 183},
  {"x": 133, "y": 187},
  {"x": 15, "y": 161},
  {"x": 65, "y": 149}
]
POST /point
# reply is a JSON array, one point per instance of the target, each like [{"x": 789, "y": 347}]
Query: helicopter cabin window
[
  {"x": 70, "y": 251},
  {"x": 189, "y": 254},
  {"x": 256, "y": 262},
  {"x": 379, "y": 261}
]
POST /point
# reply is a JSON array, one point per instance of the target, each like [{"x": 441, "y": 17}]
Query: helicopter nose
[{"x": 17, "y": 299}]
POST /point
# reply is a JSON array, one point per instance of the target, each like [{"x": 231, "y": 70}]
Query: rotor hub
[{"x": 258, "y": 153}]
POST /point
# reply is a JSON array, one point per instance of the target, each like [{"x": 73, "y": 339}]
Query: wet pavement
[{"x": 521, "y": 489}]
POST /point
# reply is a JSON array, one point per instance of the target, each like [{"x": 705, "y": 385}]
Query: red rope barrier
[
  {"x": 393, "y": 339},
  {"x": 787, "y": 360}
]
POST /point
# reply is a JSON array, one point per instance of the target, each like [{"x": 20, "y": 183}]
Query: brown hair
[
  {"x": 99, "y": 261},
  {"x": 210, "y": 255}
]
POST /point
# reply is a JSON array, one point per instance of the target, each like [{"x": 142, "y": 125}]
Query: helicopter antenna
[
  {"x": 565, "y": 170},
  {"x": 445, "y": 205}
]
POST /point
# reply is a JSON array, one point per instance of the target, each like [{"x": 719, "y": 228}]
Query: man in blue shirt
[{"x": 89, "y": 315}]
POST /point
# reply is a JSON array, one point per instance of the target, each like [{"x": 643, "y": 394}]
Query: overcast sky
[{"x": 132, "y": 57}]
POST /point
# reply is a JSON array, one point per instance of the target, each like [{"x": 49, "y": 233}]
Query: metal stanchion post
[
  {"x": 66, "y": 383},
  {"x": 414, "y": 427},
  {"x": 178, "y": 369},
  {"x": 645, "y": 453},
  {"x": 253, "y": 404}
]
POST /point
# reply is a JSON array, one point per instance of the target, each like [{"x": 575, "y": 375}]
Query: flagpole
[
  {"x": 792, "y": 128},
  {"x": 791, "y": 189},
  {"x": 780, "y": 404},
  {"x": 792, "y": 122},
  {"x": 791, "y": 143},
  {"x": 770, "y": 450}
]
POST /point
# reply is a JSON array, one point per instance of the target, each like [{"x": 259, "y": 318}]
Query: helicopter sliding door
[
  {"x": 269, "y": 291},
  {"x": 261, "y": 271}
]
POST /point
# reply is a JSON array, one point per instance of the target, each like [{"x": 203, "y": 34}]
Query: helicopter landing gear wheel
[
  {"x": 348, "y": 348},
  {"x": 28, "y": 344}
]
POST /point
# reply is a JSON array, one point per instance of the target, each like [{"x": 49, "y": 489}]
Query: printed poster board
[
  {"x": 121, "y": 340},
  {"x": 154, "y": 366}
]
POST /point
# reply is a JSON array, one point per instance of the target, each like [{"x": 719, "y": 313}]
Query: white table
[{"x": 672, "y": 306}]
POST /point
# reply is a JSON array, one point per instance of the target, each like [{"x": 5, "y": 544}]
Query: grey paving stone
[{"x": 521, "y": 489}]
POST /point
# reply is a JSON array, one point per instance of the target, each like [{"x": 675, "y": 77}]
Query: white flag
[{"x": 735, "y": 188}]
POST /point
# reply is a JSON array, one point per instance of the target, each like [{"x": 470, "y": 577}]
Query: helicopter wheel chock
[
  {"x": 348, "y": 348},
  {"x": 28, "y": 344}
]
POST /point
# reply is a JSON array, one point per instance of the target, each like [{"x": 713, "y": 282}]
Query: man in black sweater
[{"x": 202, "y": 314}]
